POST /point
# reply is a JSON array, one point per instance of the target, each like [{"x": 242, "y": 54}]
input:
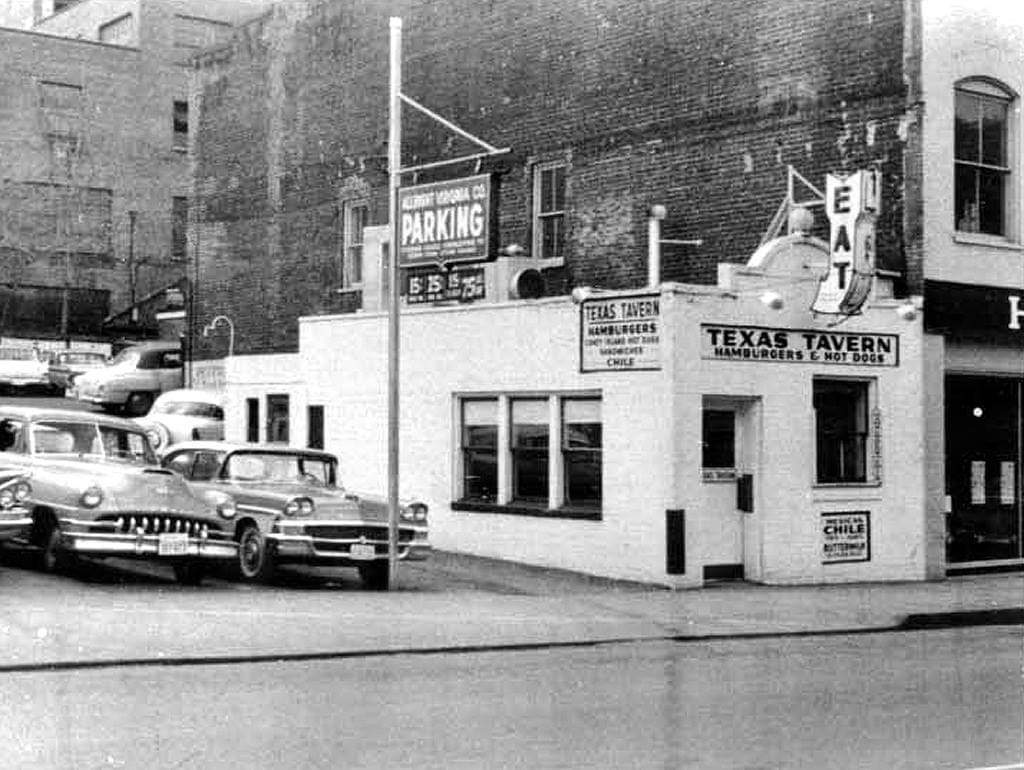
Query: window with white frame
[
  {"x": 841, "y": 409},
  {"x": 480, "y": 449},
  {"x": 581, "y": 451},
  {"x": 530, "y": 438},
  {"x": 541, "y": 454},
  {"x": 549, "y": 210},
  {"x": 356, "y": 217},
  {"x": 982, "y": 184}
]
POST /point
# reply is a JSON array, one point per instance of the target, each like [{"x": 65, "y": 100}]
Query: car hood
[
  {"x": 328, "y": 503},
  {"x": 23, "y": 367},
  {"x": 129, "y": 487}
]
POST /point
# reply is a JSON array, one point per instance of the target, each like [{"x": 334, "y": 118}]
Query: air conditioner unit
[{"x": 510, "y": 278}]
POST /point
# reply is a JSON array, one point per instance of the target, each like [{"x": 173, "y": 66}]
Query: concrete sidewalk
[{"x": 450, "y": 603}]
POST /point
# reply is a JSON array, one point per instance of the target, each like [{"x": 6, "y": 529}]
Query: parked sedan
[
  {"x": 65, "y": 365},
  {"x": 292, "y": 508},
  {"x": 22, "y": 368},
  {"x": 180, "y": 415},
  {"x": 133, "y": 379},
  {"x": 14, "y": 492},
  {"x": 98, "y": 490}
]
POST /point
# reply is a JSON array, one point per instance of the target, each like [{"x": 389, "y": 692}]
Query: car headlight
[
  {"x": 416, "y": 512},
  {"x": 223, "y": 502},
  {"x": 91, "y": 497},
  {"x": 299, "y": 506},
  {"x": 22, "y": 490},
  {"x": 6, "y": 497}
]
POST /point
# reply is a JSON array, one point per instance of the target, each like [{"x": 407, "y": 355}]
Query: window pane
[
  {"x": 530, "y": 475},
  {"x": 719, "y": 439},
  {"x": 558, "y": 193},
  {"x": 993, "y": 132},
  {"x": 532, "y": 411},
  {"x": 841, "y": 430},
  {"x": 583, "y": 478},
  {"x": 477, "y": 436},
  {"x": 991, "y": 201},
  {"x": 546, "y": 191},
  {"x": 581, "y": 410},
  {"x": 965, "y": 196},
  {"x": 551, "y": 237},
  {"x": 480, "y": 475},
  {"x": 480, "y": 412},
  {"x": 966, "y": 132}
]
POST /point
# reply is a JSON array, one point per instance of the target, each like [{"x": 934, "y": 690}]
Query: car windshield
[
  {"x": 189, "y": 409},
  {"x": 81, "y": 439},
  {"x": 18, "y": 354},
  {"x": 280, "y": 467}
]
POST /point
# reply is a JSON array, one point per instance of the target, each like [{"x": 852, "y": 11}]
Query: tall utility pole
[{"x": 394, "y": 181}]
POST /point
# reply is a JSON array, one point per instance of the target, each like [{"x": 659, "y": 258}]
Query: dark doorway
[{"x": 983, "y": 478}]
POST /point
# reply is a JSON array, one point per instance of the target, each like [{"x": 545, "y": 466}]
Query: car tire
[
  {"x": 189, "y": 573},
  {"x": 138, "y": 403},
  {"x": 255, "y": 556},
  {"x": 375, "y": 576}
]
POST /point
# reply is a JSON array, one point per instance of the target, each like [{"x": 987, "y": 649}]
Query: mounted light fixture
[
  {"x": 772, "y": 299},
  {"x": 907, "y": 311}
]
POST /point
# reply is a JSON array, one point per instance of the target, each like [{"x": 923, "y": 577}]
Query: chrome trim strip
[{"x": 258, "y": 508}]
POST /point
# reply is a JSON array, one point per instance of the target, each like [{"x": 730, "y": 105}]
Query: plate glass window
[
  {"x": 530, "y": 435},
  {"x": 549, "y": 211},
  {"x": 277, "y": 418},
  {"x": 841, "y": 431},
  {"x": 480, "y": 450},
  {"x": 982, "y": 166},
  {"x": 581, "y": 451}
]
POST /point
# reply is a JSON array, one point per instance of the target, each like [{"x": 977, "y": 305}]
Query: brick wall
[{"x": 698, "y": 105}]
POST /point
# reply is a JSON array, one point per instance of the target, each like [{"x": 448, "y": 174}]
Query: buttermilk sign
[{"x": 445, "y": 222}]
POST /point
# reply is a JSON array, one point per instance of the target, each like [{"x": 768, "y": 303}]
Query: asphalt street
[{"x": 935, "y": 699}]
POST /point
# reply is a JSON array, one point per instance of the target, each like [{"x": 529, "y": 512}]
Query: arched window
[{"x": 982, "y": 158}]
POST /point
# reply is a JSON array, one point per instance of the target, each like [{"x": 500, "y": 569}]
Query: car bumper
[
  {"x": 24, "y": 382},
  {"x": 159, "y": 546},
  {"x": 14, "y": 522},
  {"x": 308, "y": 550}
]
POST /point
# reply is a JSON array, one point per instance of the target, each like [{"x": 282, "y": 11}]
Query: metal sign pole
[{"x": 394, "y": 180}]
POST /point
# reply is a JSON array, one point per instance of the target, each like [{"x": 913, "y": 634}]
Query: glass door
[{"x": 983, "y": 476}]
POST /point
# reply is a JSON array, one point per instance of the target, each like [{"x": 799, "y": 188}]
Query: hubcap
[{"x": 252, "y": 552}]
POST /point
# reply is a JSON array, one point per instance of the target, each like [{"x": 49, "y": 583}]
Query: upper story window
[
  {"x": 549, "y": 210},
  {"x": 180, "y": 125},
  {"x": 119, "y": 31},
  {"x": 982, "y": 158},
  {"x": 356, "y": 218}
]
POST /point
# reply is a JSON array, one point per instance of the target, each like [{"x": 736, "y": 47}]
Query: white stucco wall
[{"x": 652, "y": 434}]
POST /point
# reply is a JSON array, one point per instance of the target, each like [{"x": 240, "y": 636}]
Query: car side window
[
  {"x": 171, "y": 359},
  {"x": 12, "y": 436},
  {"x": 182, "y": 463},
  {"x": 206, "y": 466}
]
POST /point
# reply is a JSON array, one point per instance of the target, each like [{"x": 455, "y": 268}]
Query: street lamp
[{"x": 222, "y": 319}]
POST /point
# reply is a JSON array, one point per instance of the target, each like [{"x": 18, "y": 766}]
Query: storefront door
[{"x": 983, "y": 476}]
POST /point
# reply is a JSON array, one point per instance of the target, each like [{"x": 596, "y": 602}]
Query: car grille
[
  {"x": 355, "y": 532},
  {"x": 159, "y": 524}
]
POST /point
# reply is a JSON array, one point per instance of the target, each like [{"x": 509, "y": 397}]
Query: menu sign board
[
  {"x": 759, "y": 343},
  {"x": 441, "y": 286},
  {"x": 445, "y": 222},
  {"x": 845, "y": 537},
  {"x": 620, "y": 333}
]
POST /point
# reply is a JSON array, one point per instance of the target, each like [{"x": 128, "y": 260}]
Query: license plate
[
  {"x": 175, "y": 544},
  {"x": 362, "y": 551}
]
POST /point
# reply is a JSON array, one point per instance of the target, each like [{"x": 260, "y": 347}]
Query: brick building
[
  {"x": 912, "y": 462},
  {"x": 94, "y": 156},
  {"x": 698, "y": 106}
]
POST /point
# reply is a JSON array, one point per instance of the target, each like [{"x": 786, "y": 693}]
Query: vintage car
[
  {"x": 180, "y": 415},
  {"x": 22, "y": 368},
  {"x": 133, "y": 379},
  {"x": 98, "y": 490},
  {"x": 292, "y": 509},
  {"x": 14, "y": 492},
  {"x": 65, "y": 365}
]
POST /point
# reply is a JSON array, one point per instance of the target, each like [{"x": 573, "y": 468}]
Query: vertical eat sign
[{"x": 852, "y": 204}]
